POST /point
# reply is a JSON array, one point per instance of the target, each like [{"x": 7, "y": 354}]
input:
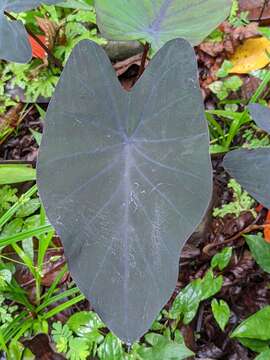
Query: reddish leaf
[
  {"x": 267, "y": 229},
  {"x": 37, "y": 50}
]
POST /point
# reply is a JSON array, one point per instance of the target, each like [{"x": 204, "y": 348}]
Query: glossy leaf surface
[
  {"x": 158, "y": 21},
  {"x": 251, "y": 169},
  {"x": 14, "y": 43},
  {"x": 260, "y": 250},
  {"x": 125, "y": 178},
  {"x": 257, "y": 326},
  {"x": 261, "y": 115}
]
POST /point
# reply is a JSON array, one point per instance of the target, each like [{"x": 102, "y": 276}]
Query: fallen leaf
[
  {"x": 254, "y": 8},
  {"x": 250, "y": 56}
]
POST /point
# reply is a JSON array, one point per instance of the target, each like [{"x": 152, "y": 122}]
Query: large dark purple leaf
[
  {"x": 14, "y": 44},
  {"x": 261, "y": 115},
  {"x": 125, "y": 179},
  {"x": 158, "y": 21},
  {"x": 251, "y": 168}
]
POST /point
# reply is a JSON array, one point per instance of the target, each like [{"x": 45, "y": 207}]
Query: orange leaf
[
  {"x": 37, "y": 50},
  {"x": 267, "y": 228},
  {"x": 250, "y": 56}
]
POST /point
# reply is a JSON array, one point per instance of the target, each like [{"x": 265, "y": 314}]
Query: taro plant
[
  {"x": 251, "y": 167},
  {"x": 159, "y": 21},
  {"x": 131, "y": 184},
  {"x": 126, "y": 177},
  {"x": 14, "y": 42}
]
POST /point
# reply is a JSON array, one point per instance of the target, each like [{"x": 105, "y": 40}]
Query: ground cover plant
[{"x": 219, "y": 305}]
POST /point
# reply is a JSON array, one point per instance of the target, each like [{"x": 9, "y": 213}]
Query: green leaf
[
  {"x": 210, "y": 285},
  {"x": 224, "y": 69},
  {"x": 5, "y": 277},
  {"x": 163, "y": 348},
  {"x": 61, "y": 335},
  {"x": 257, "y": 326},
  {"x": 12, "y": 228},
  {"x": 221, "y": 312},
  {"x": 254, "y": 344},
  {"x": 11, "y": 174},
  {"x": 188, "y": 300},
  {"x": 222, "y": 259},
  {"x": 84, "y": 322},
  {"x": 260, "y": 250},
  {"x": 77, "y": 4},
  {"x": 15, "y": 350},
  {"x": 28, "y": 208},
  {"x": 37, "y": 136},
  {"x": 111, "y": 348},
  {"x": 265, "y": 355},
  {"x": 158, "y": 21},
  {"x": 78, "y": 349}
]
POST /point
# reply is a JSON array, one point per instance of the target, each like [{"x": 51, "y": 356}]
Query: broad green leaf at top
[{"x": 158, "y": 21}]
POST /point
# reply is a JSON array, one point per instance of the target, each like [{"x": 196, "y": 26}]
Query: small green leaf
[
  {"x": 28, "y": 208},
  {"x": 254, "y": 344},
  {"x": 222, "y": 259},
  {"x": 12, "y": 228},
  {"x": 164, "y": 348},
  {"x": 61, "y": 335},
  {"x": 225, "y": 69},
  {"x": 221, "y": 312},
  {"x": 5, "y": 277},
  {"x": 210, "y": 285},
  {"x": 260, "y": 250},
  {"x": 257, "y": 326},
  {"x": 11, "y": 174},
  {"x": 111, "y": 348},
  {"x": 37, "y": 136},
  {"x": 78, "y": 349},
  {"x": 265, "y": 355},
  {"x": 84, "y": 322},
  {"x": 188, "y": 300}
]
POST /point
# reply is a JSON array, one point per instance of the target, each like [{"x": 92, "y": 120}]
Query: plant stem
[
  {"x": 265, "y": 3},
  {"x": 144, "y": 58},
  {"x": 40, "y": 43}
]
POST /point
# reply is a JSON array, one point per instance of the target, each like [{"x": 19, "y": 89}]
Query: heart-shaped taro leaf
[
  {"x": 125, "y": 178},
  {"x": 251, "y": 168},
  {"x": 158, "y": 21},
  {"x": 261, "y": 115},
  {"x": 14, "y": 43}
]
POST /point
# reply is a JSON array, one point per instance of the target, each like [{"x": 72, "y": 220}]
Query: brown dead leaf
[
  {"x": 50, "y": 30},
  {"x": 256, "y": 9},
  {"x": 122, "y": 66},
  {"x": 41, "y": 347}
]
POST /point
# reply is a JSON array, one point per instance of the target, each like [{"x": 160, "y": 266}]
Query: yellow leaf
[{"x": 250, "y": 56}]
